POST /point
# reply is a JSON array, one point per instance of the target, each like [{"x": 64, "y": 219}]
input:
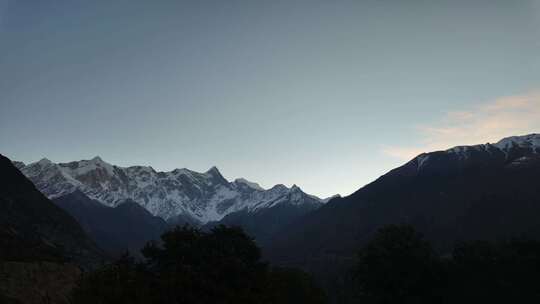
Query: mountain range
[
  {"x": 180, "y": 195},
  {"x": 478, "y": 192},
  {"x": 124, "y": 207},
  {"x": 447, "y": 193}
]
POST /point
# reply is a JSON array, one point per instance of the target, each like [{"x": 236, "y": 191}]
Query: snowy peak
[
  {"x": 204, "y": 196},
  {"x": 85, "y": 166},
  {"x": 96, "y": 159},
  {"x": 504, "y": 152},
  {"x": 252, "y": 185},
  {"x": 19, "y": 165},
  {"x": 214, "y": 171},
  {"x": 526, "y": 141},
  {"x": 530, "y": 141},
  {"x": 281, "y": 195},
  {"x": 43, "y": 162},
  {"x": 214, "y": 174},
  {"x": 279, "y": 188}
]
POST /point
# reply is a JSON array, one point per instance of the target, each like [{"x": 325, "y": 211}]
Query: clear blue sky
[{"x": 327, "y": 95}]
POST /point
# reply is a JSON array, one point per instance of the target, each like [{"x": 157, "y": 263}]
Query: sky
[{"x": 327, "y": 95}]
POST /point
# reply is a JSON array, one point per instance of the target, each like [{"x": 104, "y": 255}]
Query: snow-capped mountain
[
  {"x": 201, "y": 196},
  {"x": 263, "y": 220},
  {"x": 511, "y": 151}
]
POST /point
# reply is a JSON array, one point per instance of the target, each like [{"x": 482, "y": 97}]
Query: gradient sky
[{"x": 327, "y": 95}]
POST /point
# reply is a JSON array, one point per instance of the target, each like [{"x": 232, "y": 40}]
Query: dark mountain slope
[
  {"x": 477, "y": 192},
  {"x": 125, "y": 227},
  {"x": 33, "y": 228}
]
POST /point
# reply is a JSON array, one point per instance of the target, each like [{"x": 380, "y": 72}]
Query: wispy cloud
[{"x": 489, "y": 122}]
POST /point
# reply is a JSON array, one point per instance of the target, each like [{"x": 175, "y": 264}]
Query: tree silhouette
[
  {"x": 496, "y": 272},
  {"x": 190, "y": 266},
  {"x": 397, "y": 266}
]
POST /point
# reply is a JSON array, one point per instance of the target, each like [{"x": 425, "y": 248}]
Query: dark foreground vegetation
[
  {"x": 399, "y": 266},
  {"x": 396, "y": 266},
  {"x": 224, "y": 266},
  {"x": 191, "y": 266}
]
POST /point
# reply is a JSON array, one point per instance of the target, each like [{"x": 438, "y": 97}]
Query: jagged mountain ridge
[
  {"x": 264, "y": 222},
  {"x": 180, "y": 193}
]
